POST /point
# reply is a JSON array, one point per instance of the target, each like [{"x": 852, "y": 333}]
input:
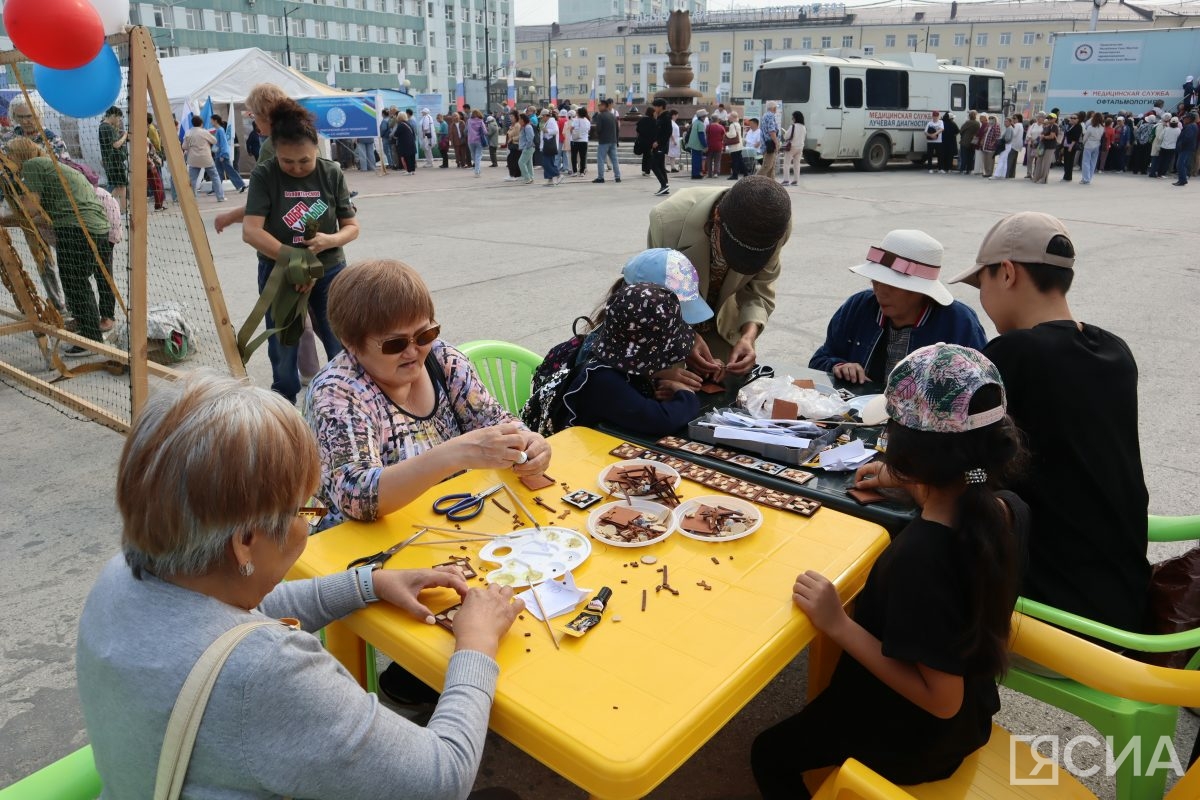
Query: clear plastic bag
[{"x": 758, "y": 396}]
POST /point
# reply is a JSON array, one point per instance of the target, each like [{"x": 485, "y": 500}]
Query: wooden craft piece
[{"x": 535, "y": 482}]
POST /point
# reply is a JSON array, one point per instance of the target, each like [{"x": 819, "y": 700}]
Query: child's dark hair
[
  {"x": 1047, "y": 277},
  {"x": 984, "y": 531},
  {"x": 291, "y": 123},
  {"x": 597, "y": 317}
]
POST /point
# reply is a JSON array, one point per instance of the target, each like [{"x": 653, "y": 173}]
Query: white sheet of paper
[
  {"x": 557, "y": 598},
  {"x": 847, "y": 457},
  {"x": 780, "y": 437}
]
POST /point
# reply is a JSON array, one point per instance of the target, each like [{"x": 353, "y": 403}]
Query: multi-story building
[
  {"x": 365, "y": 43},
  {"x": 587, "y": 10},
  {"x": 727, "y": 47}
]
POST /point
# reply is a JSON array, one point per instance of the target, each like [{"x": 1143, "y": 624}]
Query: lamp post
[
  {"x": 487, "y": 60},
  {"x": 287, "y": 37}
]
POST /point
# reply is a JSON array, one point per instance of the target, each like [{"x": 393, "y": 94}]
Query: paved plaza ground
[{"x": 518, "y": 263}]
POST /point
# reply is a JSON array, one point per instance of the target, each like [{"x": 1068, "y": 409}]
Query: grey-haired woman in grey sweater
[{"x": 209, "y": 485}]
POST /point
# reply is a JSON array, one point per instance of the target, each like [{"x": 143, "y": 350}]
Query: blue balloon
[{"x": 87, "y": 91}]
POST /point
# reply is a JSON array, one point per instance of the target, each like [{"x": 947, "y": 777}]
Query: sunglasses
[{"x": 398, "y": 344}]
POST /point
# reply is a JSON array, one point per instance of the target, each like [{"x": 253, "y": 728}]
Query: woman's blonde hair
[
  {"x": 22, "y": 149},
  {"x": 371, "y": 298},
  {"x": 208, "y": 458},
  {"x": 263, "y": 98}
]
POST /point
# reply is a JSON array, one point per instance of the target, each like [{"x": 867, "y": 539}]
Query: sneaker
[
  {"x": 932, "y": 171},
  {"x": 75, "y": 351},
  {"x": 600, "y": 180},
  {"x": 557, "y": 180},
  {"x": 616, "y": 180},
  {"x": 242, "y": 190},
  {"x": 510, "y": 178},
  {"x": 528, "y": 181},
  {"x": 664, "y": 190}
]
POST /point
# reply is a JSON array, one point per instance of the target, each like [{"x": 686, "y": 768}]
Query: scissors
[
  {"x": 382, "y": 556},
  {"x": 463, "y": 506}
]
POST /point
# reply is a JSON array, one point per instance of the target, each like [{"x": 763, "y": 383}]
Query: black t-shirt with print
[
  {"x": 916, "y": 603},
  {"x": 287, "y": 203},
  {"x": 1074, "y": 394}
]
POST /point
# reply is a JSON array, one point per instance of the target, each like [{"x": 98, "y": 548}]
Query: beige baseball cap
[{"x": 1022, "y": 237}]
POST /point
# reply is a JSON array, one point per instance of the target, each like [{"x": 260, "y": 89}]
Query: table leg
[
  {"x": 349, "y": 649},
  {"x": 823, "y": 654}
]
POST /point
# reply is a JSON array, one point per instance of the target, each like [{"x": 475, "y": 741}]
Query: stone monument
[{"x": 678, "y": 75}]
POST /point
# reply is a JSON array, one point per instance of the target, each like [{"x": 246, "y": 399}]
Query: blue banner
[
  {"x": 434, "y": 102},
  {"x": 349, "y": 117}
]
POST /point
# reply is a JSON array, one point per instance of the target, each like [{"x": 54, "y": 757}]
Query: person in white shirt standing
[
  {"x": 1032, "y": 137},
  {"x": 933, "y": 140},
  {"x": 427, "y": 136}
]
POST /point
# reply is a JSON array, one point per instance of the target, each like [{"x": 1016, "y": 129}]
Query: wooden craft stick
[
  {"x": 542, "y": 611},
  {"x": 457, "y": 532},
  {"x": 521, "y": 506}
]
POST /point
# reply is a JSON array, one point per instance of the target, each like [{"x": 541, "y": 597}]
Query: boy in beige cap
[{"x": 1072, "y": 388}]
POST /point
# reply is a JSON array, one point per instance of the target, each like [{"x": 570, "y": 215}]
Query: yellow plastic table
[{"x": 616, "y": 711}]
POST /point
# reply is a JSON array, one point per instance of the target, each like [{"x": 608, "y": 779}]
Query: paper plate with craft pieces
[
  {"x": 641, "y": 477},
  {"x": 716, "y": 518},
  {"x": 638, "y": 525},
  {"x": 529, "y": 556}
]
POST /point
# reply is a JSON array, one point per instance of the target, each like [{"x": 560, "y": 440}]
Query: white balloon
[{"x": 113, "y": 13}]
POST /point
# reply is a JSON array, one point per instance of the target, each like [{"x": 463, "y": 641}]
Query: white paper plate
[
  {"x": 732, "y": 503},
  {"x": 533, "y": 557},
  {"x": 637, "y": 462},
  {"x": 658, "y": 509}
]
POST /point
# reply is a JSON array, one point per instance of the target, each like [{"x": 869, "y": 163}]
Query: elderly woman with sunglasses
[
  {"x": 284, "y": 718},
  {"x": 400, "y": 410}
]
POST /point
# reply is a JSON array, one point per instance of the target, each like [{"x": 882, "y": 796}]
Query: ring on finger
[{"x": 522, "y": 457}]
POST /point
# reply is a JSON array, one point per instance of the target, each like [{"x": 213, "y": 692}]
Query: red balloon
[{"x": 60, "y": 34}]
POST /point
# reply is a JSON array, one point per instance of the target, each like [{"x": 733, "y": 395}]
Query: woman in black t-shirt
[
  {"x": 298, "y": 200},
  {"x": 914, "y": 691}
]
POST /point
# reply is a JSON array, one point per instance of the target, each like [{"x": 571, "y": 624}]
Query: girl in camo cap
[{"x": 930, "y": 630}]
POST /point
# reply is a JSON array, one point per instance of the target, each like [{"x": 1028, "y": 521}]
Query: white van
[{"x": 867, "y": 109}]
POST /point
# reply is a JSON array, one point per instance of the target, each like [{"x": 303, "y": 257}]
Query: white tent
[{"x": 228, "y": 77}]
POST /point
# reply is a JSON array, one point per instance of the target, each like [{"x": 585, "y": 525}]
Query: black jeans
[
  {"x": 579, "y": 157},
  {"x": 77, "y": 268},
  {"x": 492, "y": 153},
  {"x": 647, "y": 157},
  {"x": 658, "y": 165},
  {"x": 512, "y": 161},
  {"x": 1068, "y": 163}
]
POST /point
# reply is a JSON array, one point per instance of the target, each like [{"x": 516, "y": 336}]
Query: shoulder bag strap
[{"x": 189, "y": 708}]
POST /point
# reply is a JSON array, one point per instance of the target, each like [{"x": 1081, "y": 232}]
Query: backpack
[
  {"x": 543, "y": 410},
  {"x": 1144, "y": 133}
]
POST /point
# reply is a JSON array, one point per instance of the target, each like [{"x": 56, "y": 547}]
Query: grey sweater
[{"x": 285, "y": 718}]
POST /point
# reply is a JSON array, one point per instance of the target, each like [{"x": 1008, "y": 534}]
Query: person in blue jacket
[
  {"x": 644, "y": 333},
  {"x": 906, "y": 308}
]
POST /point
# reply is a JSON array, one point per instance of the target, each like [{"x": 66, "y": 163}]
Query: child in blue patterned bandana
[
  {"x": 644, "y": 333},
  {"x": 930, "y": 630}
]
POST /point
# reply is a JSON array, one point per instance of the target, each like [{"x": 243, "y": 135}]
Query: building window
[
  {"x": 1046, "y": 63},
  {"x": 249, "y": 23},
  {"x": 912, "y": 41},
  {"x": 418, "y": 66},
  {"x": 619, "y": 69},
  {"x": 600, "y": 61},
  {"x": 1026, "y": 62},
  {"x": 935, "y": 39},
  {"x": 726, "y": 57},
  {"x": 847, "y": 41},
  {"x": 163, "y": 17},
  {"x": 566, "y": 52},
  {"x": 826, "y": 41},
  {"x": 583, "y": 52},
  {"x": 433, "y": 43},
  {"x": 524, "y": 53},
  {"x": 222, "y": 21},
  {"x": 652, "y": 48},
  {"x": 981, "y": 63},
  {"x": 296, "y": 28},
  {"x": 704, "y": 47},
  {"x": 364, "y": 33},
  {"x": 567, "y": 71},
  {"x": 747, "y": 44},
  {"x": 637, "y": 49},
  {"x": 747, "y": 87},
  {"x": 981, "y": 40},
  {"x": 704, "y": 66},
  {"x": 747, "y": 66},
  {"x": 364, "y": 64},
  {"x": 321, "y": 29},
  {"x": 1042, "y": 87},
  {"x": 620, "y": 51},
  {"x": 960, "y": 40},
  {"x": 380, "y": 34},
  {"x": 787, "y": 43},
  {"x": 193, "y": 19},
  {"x": 956, "y": 62},
  {"x": 429, "y": 9},
  {"x": 704, "y": 87},
  {"x": 322, "y": 62},
  {"x": 806, "y": 43},
  {"x": 583, "y": 71},
  {"x": 274, "y": 26},
  {"x": 889, "y": 40},
  {"x": 1027, "y": 37},
  {"x": 385, "y": 65},
  {"x": 768, "y": 44},
  {"x": 1022, "y": 87},
  {"x": 1002, "y": 63},
  {"x": 868, "y": 50},
  {"x": 1005, "y": 38},
  {"x": 343, "y": 63},
  {"x": 637, "y": 69},
  {"x": 449, "y": 13}
]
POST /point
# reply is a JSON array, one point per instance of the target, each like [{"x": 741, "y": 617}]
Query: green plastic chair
[
  {"x": 1122, "y": 719},
  {"x": 506, "y": 370},
  {"x": 72, "y": 777}
]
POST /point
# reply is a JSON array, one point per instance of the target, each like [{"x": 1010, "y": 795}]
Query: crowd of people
[
  {"x": 1156, "y": 143},
  {"x": 395, "y": 410}
]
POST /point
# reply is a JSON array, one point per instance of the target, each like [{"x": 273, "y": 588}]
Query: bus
[{"x": 866, "y": 109}]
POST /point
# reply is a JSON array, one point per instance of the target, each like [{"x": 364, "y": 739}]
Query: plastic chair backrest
[
  {"x": 72, "y": 777},
  {"x": 506, "y": 370}
]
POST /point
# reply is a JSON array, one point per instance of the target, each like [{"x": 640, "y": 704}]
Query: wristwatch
[{"x": 366, "y": 582}]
